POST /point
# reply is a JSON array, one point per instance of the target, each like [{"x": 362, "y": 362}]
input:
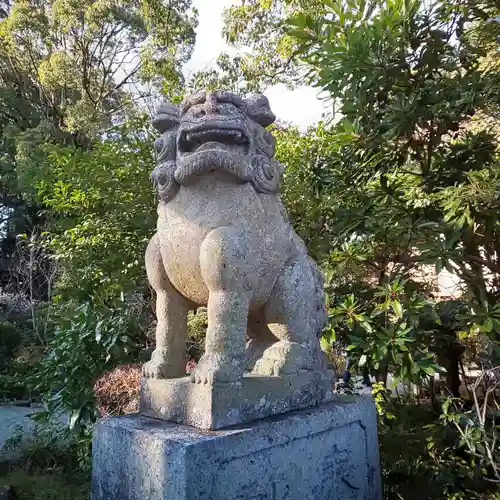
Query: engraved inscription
[{"x": 329, "y": 465}]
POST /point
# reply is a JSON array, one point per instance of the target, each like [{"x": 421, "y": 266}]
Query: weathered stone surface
[
  {"x": 224, "y": 241},
  {"x": 222, "y": 405},
  {"x": 326, "y": 453}
]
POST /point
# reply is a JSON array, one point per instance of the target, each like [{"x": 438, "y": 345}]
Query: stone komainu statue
[{"x": 224, "y": 241}]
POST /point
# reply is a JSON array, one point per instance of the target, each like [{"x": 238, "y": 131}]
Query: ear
[
  {"x": 166, "y": 118},
  {"x": 259, "y": 111}
]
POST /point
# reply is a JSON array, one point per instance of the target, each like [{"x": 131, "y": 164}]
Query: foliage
[
  {"x": 49, "y": 466},
  {"x": 18, "y": 355},
  {"x": 386, "y": 333},
  {"x": 477, "y": 426},
  {"x": 381, "y": 398},
  {"x": 197, "y": 328},
  {"x": 81, "y": 58},
  {"x": 11, "y": 387},
  {"x": 310, "y": 161},
  {"x": 413, "y": 151},
  {"x": 270, "y": 55},
  {"x": 102, "y": 207},
  {"x": 45, "y": 485},
  {"x": 102, "y": 215},
  {"x": 10, "y": 341},
  {"x": 408, "y": 95},
  {"x": 68, "y": 72},
  {"x": 421, "y": 458},
  {"x": 86, "y": 343}
]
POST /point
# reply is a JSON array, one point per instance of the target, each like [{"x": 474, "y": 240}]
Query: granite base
[{"x": 325, "y": 453}]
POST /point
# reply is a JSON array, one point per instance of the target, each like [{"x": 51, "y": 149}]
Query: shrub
[
  {"x": 86, "y": 343},
  {"x": 117, "y": 391},
  {"x": 52, "y": 465},
  {"x": 10, "y": 340},
  {"x": 197, "y": 328},
  {"x": 422, "y": 459}
]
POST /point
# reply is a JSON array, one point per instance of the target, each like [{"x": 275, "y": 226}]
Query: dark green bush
[
  {"x": 86, "y": 343},
  {"x": 11, "y": 338},
  {"x": 422, "y": 459},
  {"x": 52, "y": 465}
]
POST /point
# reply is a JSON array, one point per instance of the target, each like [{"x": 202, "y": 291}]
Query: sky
[{"x": 299, "y": 106}]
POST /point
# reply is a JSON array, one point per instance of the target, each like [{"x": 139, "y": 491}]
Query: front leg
[
  {"x": 224, "y": 262},
  {"x": 169, "y": 358}
]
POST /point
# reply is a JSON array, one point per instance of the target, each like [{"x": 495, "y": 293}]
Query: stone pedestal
[
  {"x": 329, "y": 452},
  {"x": 218, "y": 406}
]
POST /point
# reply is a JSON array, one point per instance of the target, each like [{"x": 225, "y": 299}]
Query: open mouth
[{"x": 192, "y": 141}]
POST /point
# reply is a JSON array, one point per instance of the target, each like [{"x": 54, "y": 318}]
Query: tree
[
  {"x": 81, "y": 58},
  {"x": 409, "y": 96},
  {"x": 409, "y": 176},
  {"x": 102, "y": 213},
  {"x": 310, "y": 161},
  {"x": 69, "y": 71},
  {"x": 268, "y": 53}
]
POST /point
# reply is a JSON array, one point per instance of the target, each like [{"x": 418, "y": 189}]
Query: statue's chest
[
  {"x": 207, "y": 205},
  {"x": 185, "y": 221}
]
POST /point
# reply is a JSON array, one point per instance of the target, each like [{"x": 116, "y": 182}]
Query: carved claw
[
  {"x": 283, "y": 358},
  {"x": 273, "y": 367},
  {"x": 255, "y": 349},
  {"x": 159, "y": 367},
  {"x": 154, "y": 369},
  {"x": 214, "y": 368}
]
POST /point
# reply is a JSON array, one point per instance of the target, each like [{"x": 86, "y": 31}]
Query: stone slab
[
  {"x": 218, "y": 406},
  {"x": 326, "y": 453}
]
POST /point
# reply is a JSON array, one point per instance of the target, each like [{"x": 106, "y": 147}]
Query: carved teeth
[
  {"x": 214, "y": 131},
  {"x": 194, "y": 139}
]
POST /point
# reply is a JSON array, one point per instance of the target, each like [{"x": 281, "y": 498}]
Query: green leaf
[
  {"x": 398, "y": 308},
  {"x": 446, "y": 405},
  {"x": 74, "y": 416},
  {"x": 366, "y": 325},
  {"x": 439, "y": 266},
  {"x": 302, "y": 34},
  {"x": 325, "y": 345},
  {"x": 98, "y": 333},
  {"x": 429, "y": 370}
]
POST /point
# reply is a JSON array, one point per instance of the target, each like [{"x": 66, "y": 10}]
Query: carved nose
[{"x": 211, "y": 106}]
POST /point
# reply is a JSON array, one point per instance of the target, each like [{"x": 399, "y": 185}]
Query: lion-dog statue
[{"x": 224, "y": 241}]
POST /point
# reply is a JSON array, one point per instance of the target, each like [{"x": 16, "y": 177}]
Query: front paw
[
  {"x": 161, "y": 367},
  {"x": 216, "y": 368}
]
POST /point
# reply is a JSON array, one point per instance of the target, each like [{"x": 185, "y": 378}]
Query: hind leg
[
  {"x": 169, "y": 357},
  {"x": 260, "y": 338},
  {"x": 296, "y": 315}
]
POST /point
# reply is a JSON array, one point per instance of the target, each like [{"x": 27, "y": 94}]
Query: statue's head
[{"x": 215, "y": 132}]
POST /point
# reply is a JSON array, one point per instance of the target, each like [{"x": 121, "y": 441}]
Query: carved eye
[{"x": 162, "y": 178}]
